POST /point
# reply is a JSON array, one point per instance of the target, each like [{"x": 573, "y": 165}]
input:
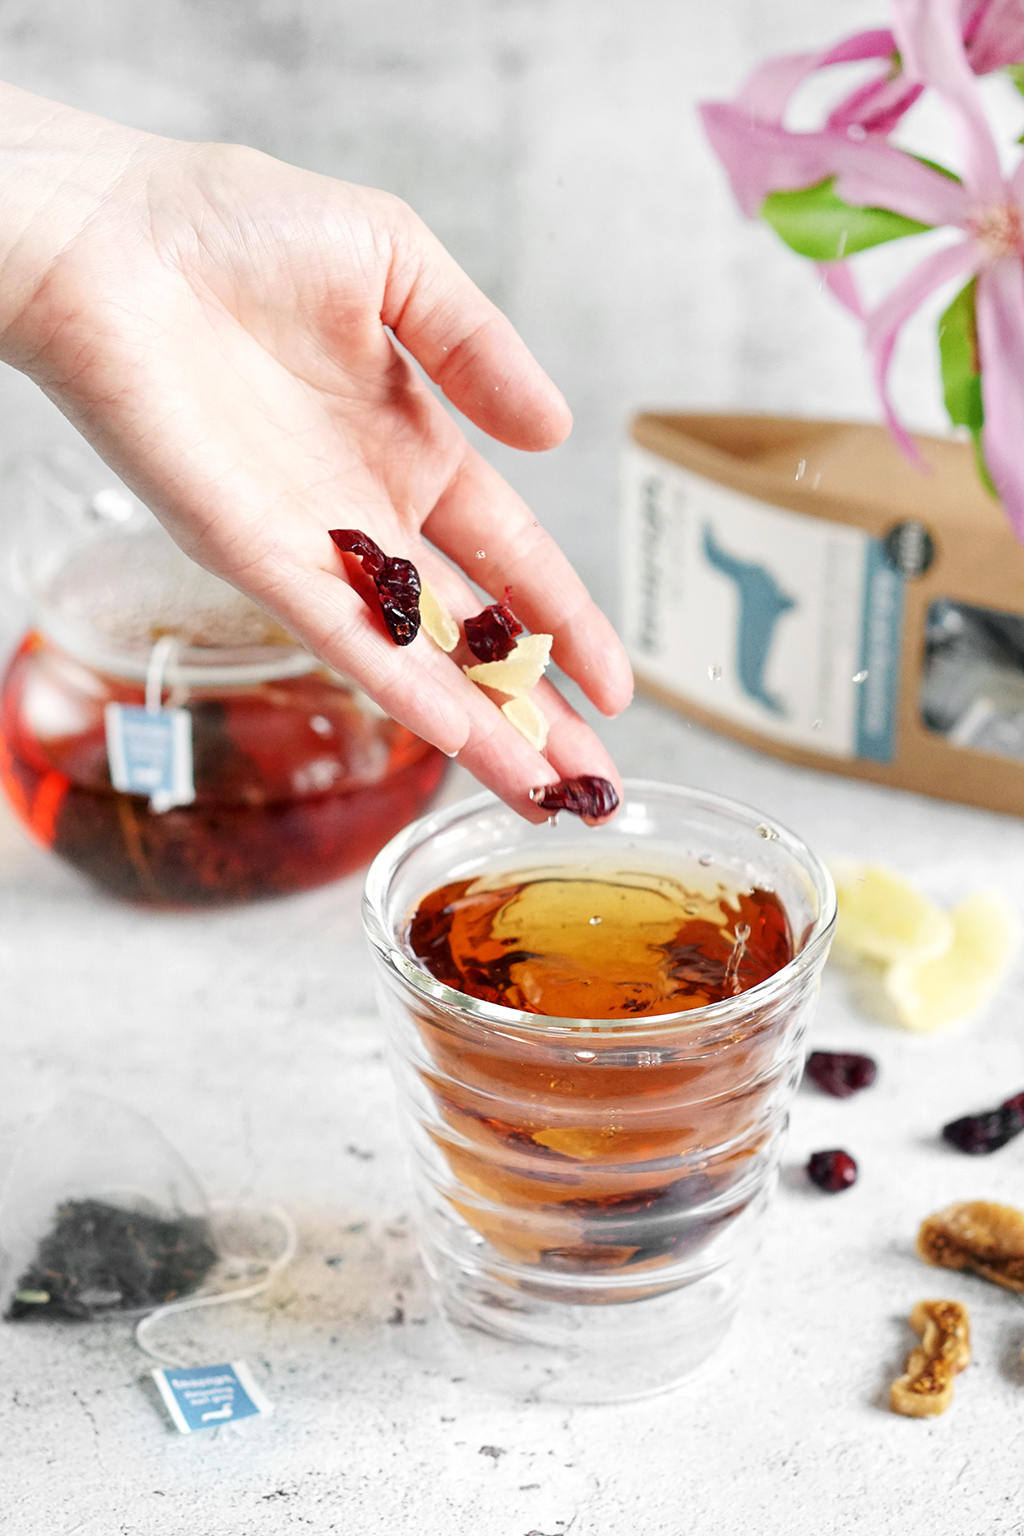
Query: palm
[{"x": 221, "y": 330}]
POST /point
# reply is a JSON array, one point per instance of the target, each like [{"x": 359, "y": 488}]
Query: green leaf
[
  {"x": 1016, "y": 74},
  {"x": 958, "y": 350},
  {"x": 815, "y": 222},
  {"x": 961, "y": 374}
]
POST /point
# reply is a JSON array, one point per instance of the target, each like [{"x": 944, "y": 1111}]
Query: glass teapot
[{"x": 165, "y": 736}]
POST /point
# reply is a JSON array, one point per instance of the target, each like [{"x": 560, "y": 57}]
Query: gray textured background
[{"x": 552, "y": 145}]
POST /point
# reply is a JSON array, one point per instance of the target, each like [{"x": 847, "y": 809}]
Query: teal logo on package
[
  {"x": 150, "y": 753},
  {"x": 203, "y": 1396}
]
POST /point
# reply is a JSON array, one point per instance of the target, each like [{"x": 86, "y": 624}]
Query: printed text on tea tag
[
  {"x": 204, "y": 1396},
  {"x": 150, "y": 753}
]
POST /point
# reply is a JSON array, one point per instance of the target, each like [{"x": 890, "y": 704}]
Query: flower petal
[
  {"x": 876, "y": 106},
  {"x": 766, "y": 93},
  {"x": 884, "y": 323},
  {"x": 930, "y": 40},
  {"x": 999, "y": 303},
  {"x": 841, "y": 283},
  {"x": 763, "y": 157},
  {"x": 993, "y": 34}
]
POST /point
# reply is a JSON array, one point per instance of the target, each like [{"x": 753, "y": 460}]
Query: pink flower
[
  {"x": 993, "y": 36},
  {"x": 988, "y": 210}
]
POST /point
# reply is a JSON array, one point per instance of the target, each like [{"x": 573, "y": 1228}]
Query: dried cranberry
[
  {"x": 840, "y": 1073},
  {"x": 980, "y": 1134},
  {"x": 832, "y": 1171},
  {"x": 586, "y": 796},
  {"x": 491, "y": 636},
  {"x": 397, "y": 582}
]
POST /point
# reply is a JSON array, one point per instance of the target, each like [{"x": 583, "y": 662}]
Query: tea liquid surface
[{"x": 600, "y": 942}]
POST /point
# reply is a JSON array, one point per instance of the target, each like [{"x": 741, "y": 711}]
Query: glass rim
[{"x": 379, "y": 878}]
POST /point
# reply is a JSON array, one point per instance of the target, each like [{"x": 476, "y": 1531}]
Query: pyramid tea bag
[{"x": 99, "y": 1214}]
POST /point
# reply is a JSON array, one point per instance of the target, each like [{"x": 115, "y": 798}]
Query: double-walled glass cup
[{"x": 589, "y": 1191}]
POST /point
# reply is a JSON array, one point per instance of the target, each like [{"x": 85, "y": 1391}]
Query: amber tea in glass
[{"x": 597, "y": 1033}]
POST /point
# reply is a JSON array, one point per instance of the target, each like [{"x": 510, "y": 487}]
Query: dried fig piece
[
  {"x": 926, "y": 1387},
  {"x": 977, "y": 1235},
  {"x": 491, "y": 636},
  {"x": 397, "y": 582}
]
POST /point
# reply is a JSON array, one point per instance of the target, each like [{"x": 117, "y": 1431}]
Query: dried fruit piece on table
[
  {"x": 491, "y": 635},
  {"x": 978, "y": 1235},
  {"x": 987, "y": 1132},
  {"x": 436, "y": 619},
  {"x": 930, "y": 993},
  {"x": 883, "y": 917},
  {"x": 840, "y": 1073},
  {"x": 521, "y": 670},
  {"x": 926, "y": 1387},
  {"x": 832, "y": 1171},
  {"x": 528, "y": 720},
  {"x": 587, "y": 796},
  {"x": 397, "y": 582}
]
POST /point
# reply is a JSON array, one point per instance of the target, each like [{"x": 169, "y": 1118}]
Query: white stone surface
[{"x": 249, "y": 1037}]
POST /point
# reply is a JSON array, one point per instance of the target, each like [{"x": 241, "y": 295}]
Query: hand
[{"x": 221, "y": 327}]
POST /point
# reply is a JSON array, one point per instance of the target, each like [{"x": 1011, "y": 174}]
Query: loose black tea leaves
[
  {"x": 100, "y": 1258},
  {"x": 397, "y": 582}
]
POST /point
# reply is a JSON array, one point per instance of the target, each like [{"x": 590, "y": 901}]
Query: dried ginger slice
[
  {"x": 436, "y": 619},
  {"x": 521, "y": 670},
  {"x": 926, "y": 994},
  {"x": 528, "y": 720},
  {"x": 926, "y": 1387},
  {"x": 978, "y": 1235}
]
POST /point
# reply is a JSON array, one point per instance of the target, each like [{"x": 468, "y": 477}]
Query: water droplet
[
  {"x": 861, "y": 677},
  {"x": 594, "y": 921},
  {"x": 816, "y": 725},
  {"x": 321, "y": 725},
  {"x": 481, "y": 554},
  {"x": 743, "y": 931},
  {"x": 585, "y": 1055},
  {"x": 801, "y": 467},
  {"x": 704, "y": 859},
  {"x": 715, "y": 672},
  {"x": 552, "y": 821},
  {"x": 767, "y": 832}
]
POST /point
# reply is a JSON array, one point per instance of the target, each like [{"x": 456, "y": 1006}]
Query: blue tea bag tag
[
  {"x": 204, "y": 1396},
  {"x": 150, "y": 753}
]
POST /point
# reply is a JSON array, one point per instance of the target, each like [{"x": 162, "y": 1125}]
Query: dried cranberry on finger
[
  {"x": 832, "y": 1171},
  {"x": 586, "y": 796},
  {"x": 491, "y": 636},
  {"x": 397, "y": 582},
  {"x": 840, "y": 1073}
]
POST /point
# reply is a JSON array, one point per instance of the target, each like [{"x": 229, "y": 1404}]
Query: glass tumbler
[{"x": 589, "y": 1191}]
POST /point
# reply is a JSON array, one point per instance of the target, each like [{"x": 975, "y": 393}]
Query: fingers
[
  {"x": 482, "y": 524},
  {"x": 495, "y": 752},
  {"x": 465, "y": 343}
]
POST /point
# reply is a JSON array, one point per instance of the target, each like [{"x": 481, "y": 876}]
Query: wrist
[{"x": 58, "y": 168}]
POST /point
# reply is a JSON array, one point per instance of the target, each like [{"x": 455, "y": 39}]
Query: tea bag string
[
  {"x": 219, "y": 1298},
  {"x": 161, "y": 657}
]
